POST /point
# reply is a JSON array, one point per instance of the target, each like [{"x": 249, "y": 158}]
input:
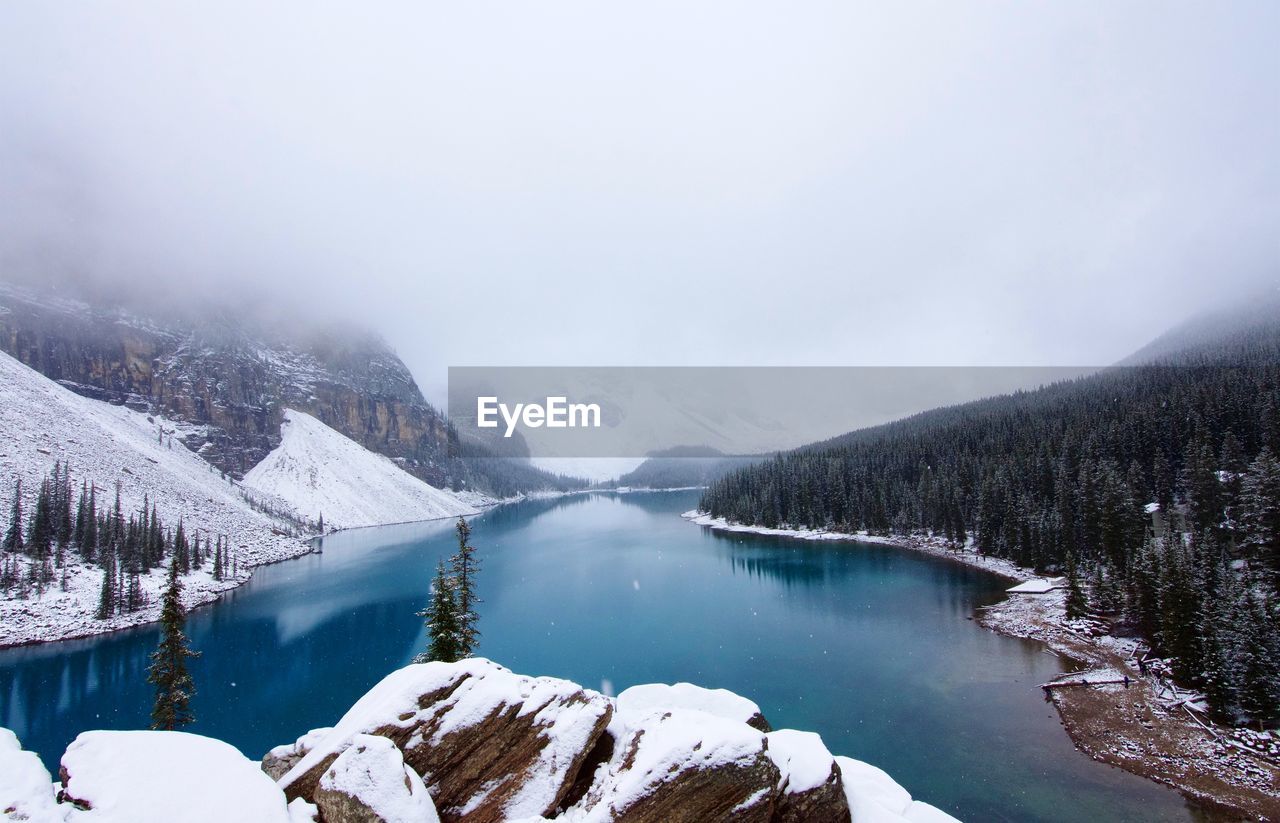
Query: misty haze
[{"x": 931, "y": 354}]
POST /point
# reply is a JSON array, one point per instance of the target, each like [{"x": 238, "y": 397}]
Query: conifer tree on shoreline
[
  {"x": 441, "y": 621},
  {"x": 464, "y": 565},
  {"x": 168, "y": 671},
  {"x": 450, "y": 615}
]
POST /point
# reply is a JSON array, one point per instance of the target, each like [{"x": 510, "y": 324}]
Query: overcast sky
[{"x": 661, "y": 182}]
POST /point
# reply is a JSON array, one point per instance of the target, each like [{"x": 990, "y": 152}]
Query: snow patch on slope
[
  {"x": 41, "y": 422},
  {"x": 318, "y": 471}
]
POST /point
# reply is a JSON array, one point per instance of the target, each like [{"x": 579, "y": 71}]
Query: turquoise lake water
[{"x": 873, "y": 647}]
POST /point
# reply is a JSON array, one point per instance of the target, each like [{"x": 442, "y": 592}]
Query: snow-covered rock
[
  {"x": 811, "y": 786},
  {"x": 26, "y": 790},
  {"x": 163, "y": 777},
  {"x": 681, "y": 765},
  {"x": 318, "y": 471},
  {"x": 42, "y": 422},
  {"x": 369, "y": 783},
  {"x": 875, "y": 797},
  {"x": 490, "y": 744},
  {"x": 720, "y": 702},
  {"x": 474, "y": 742},
  {"x": 277, "y": 762}
]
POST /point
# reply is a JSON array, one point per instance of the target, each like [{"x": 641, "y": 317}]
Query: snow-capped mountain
[
  {"x": 228, "y": 375},
  {"x": 321, "y": 473},
  {"x": 42, "y": 422}
]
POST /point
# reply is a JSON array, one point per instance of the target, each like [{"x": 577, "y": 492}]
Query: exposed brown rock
[
  {"x": 484, "y": 739},
  {"x": 369, "y": 783},
  {"x": 811, "y": 788},
  {"x": 824, "y": 804},
  {"x": 277, "y": 762},
  {"x": 686, "y": 766}
]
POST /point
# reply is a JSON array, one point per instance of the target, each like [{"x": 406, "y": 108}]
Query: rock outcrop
[
  {"x": 720, "y": 702},
  {"x": 812, "y": 785},
  {"x": 163, "y": 777},
  {"x": 490, "y": 744},
  {"x": 277, "y": 762},
  {"x": 369, "y": 783},
  {"x": 26, "y": 791},
  {"x": 683, "y": 766},
  {"x": 472, "y": 742}
]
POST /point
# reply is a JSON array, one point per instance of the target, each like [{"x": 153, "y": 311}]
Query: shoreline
[
  {"x": 1139, "y": 728},
  {"x": 208, "y": 591},
  {"x": 211, "y": 591}
]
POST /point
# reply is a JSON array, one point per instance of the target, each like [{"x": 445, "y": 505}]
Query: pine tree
[
  {"x": 63, "y": 525},
  {"x": 89, "y": 541},
  {"x": 1260, "y": 682},
  {"x": 1219, "y": 683},
  {"x": 181, "y": 554},
  {"x": 13, "y": 541},
  {"x": 464, "y": 565},
  {"x": 1260, "y": 504},
  {"x": 217, "y": 560},
  {"x": 441, "y": 620},
  {"x": 1077, "y": 603},
  {"x": 1203, "y": 489},
  {"x": 39, "y": 531},
  {"x": 107, "y": 597},
  {"x": 168, "y": 671}
]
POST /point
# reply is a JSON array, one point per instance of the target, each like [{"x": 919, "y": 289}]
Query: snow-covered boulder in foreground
[
  {"x": 720, "y": 702},
  {"x": 26, "y": 790},
  {"x": 875, "y": 797},
  {"x": 490, "y": 744},
  {"x": 681, "y": 765},
  {"x": 318, "y": 471},
  {"x": 811, "y": 787},
  {"x": 166, "y": 777},
  {"x": 369, "y": 783},
  {"x": 471, "y": 742}
]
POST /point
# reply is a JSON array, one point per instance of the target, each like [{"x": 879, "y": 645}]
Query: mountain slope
[
  {"x": 1066, "y": 479},
  {"x": 319, "y": 472},
  {"x": 227, "y": 373},
  {"x": 42, "y": 422}
]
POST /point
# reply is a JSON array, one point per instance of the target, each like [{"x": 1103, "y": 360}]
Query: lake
[{"x": 871, "y": 646}]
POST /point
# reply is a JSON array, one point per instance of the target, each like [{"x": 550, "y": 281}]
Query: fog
[{"x": 656, "y": 183}]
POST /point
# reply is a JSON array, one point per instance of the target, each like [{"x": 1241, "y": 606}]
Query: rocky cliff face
[{"x": 229, "y": 378}]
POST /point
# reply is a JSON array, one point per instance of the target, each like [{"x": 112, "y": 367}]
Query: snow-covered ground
[
  {"x": 42, "y": 422},
  {"x": 318, "y": 471},
  {"x": 936, "y": 546}
]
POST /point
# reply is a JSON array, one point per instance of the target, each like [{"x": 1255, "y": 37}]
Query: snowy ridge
[
  {"x": 42, "y": 422},
  {"x": 318, "y": 471}
]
